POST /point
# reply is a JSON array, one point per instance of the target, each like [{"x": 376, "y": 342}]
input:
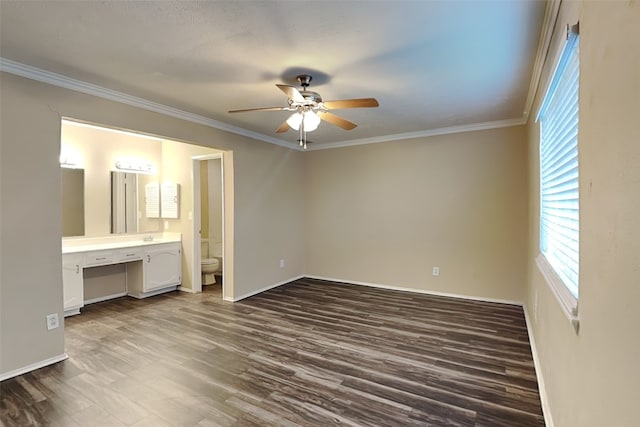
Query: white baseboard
[
  {"x": 141, "y": 295},
  {"x": 189, "y": 290},
  {"x": 105, "y": 298},
  {"x": 266, "y": 288},
  {"x": 33, "y": 366},
  {"x": 419, "y": 291},
  {"x": 72, "y": 312},
  {"x": 544, "y": 400}
]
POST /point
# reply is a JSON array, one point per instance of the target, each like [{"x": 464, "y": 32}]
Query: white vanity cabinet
[
  {"x": 163, "y": 266},
  {"x": 73, "y": 289},
  {"x": 159, "y": 271},
  {"x": 152, "y": 267}
]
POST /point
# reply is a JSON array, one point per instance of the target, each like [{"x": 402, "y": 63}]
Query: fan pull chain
[{"x": 302, "y": 132}]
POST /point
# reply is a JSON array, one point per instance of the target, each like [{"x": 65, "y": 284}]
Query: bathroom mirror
[
  {"x": 72, "y": 195},
  {"x": 135, "y": 202}
]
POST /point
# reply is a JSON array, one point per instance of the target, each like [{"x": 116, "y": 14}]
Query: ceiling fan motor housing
[{"x": 311, "y": 98}]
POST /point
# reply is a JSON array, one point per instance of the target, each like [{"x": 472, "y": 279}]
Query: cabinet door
[
  {"x": 163, "y": 266},
  {"x": 72, "y": 284}
]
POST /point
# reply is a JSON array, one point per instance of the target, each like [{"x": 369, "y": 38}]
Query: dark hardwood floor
[{"x": 309, "y": 353}]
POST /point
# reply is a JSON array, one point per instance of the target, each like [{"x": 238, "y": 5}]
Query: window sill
[{"x": 568, "y": 303}]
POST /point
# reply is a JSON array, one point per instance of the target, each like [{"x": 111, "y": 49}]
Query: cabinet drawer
[
  {"x": 130, "y": 254},
  {"x": 99, "y": 258}
]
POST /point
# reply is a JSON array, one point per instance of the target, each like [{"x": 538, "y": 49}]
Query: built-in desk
[{"x": 153, "y": 264}]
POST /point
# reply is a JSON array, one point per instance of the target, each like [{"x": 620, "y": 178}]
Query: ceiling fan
[{"x": 309, "y": 109}]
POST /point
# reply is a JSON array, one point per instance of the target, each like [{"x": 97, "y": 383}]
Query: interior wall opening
[{"x": 93, "y": 157}]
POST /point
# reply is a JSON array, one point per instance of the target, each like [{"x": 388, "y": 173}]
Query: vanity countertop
[{"x": 86, "y": 244}]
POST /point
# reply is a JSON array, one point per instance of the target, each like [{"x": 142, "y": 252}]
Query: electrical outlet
[
  {"x": 281, "y": 263},
  {"x": 436, "y": 271},
  {"x": 52, "y": 321}
]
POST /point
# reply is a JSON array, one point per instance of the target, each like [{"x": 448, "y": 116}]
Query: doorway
[{"x": 209, "y": 222}]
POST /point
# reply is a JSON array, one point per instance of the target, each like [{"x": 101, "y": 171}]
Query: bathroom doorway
[{"x": 209, "y": 223}]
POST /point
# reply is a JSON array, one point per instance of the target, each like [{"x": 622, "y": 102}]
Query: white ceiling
[{"x": 430, "y": 64}]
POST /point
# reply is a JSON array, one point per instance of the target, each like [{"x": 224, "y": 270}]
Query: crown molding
[
  {"x": 37, "y": 74},
  {"x": 422, "y": 134},
  {"x": 59, "y": 80},
  {"x": 544, "y": 42}
]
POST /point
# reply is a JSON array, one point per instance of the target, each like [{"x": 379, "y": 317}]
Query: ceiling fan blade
[
  {"x": 336, "y": 120},
  {"x": 291, "y": 92},
  {"x": 283, "y": 127},
  {"x": 261, "y": 109},
  {"x": 351, "y": 103}
]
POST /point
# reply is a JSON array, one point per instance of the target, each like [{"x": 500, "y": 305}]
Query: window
[{"x": 559, "y": 195}]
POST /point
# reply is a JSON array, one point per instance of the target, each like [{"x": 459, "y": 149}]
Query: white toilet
[{"x": 208, "y": 265}]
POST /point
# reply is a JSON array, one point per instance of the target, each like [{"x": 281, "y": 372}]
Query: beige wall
[
  {"x": 104, "y": 281},
  {"x": 267, "y": 215},
  {"x": 268, "y": 191},
  {"x": 204, "y": 200},
  {"x": 215, "y": 209},
  {"x": 28, "y": 290},
  {"x": 177, "y": 167},
  {"x": 387, "y": 213},
  {"x": 592, "y": 378},
  {"x": 211, "y": 200}
]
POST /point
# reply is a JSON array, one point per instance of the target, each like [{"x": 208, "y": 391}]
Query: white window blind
[{"x": 559, "y": 189}]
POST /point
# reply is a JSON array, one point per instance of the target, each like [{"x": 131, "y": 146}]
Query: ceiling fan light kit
[
  {"x": 308, "y": 119},
  {"x": 309, "y": 109}
]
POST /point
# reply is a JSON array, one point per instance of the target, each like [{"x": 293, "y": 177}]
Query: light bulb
[
  {"x": 295, "y": 120},
  {"x": 311, "y": 121}
]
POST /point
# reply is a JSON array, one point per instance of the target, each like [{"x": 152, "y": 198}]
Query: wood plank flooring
[{"x": 309, "y": 353}]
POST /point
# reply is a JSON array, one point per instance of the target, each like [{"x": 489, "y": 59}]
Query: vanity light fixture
[
  {"x": 134, "y": 166},
  {"x": 70, "y": 161},
  {"x": 66, "y": 163}
]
